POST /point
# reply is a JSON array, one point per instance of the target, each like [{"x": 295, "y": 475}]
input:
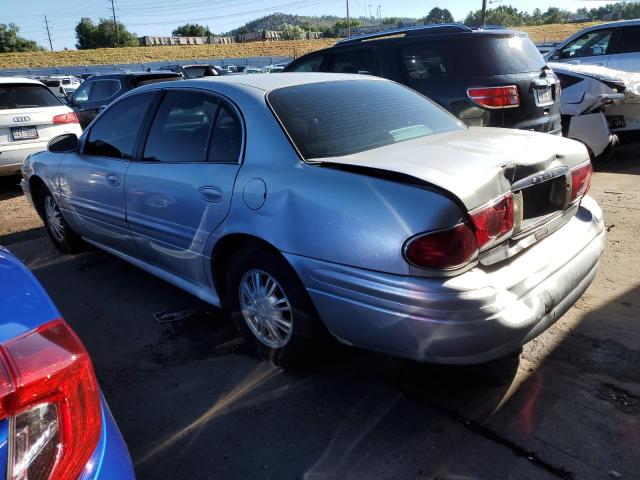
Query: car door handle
[
  {"x": 113, "y": 179},
  {"x": 210, "y": 194}
]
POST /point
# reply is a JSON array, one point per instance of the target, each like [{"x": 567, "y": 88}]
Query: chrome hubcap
[
  {"x": 54, "y": 218},
  {"x": 266, "y": 308}
]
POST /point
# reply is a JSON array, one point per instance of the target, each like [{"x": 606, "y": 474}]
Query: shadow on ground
[{"x": 192, "y": 403}]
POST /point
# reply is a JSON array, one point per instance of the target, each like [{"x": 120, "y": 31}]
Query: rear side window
[
  {"x": 345, "y": 117},
  {"x": 311, "y": 64},
  {"x": 468, "y": 58},
  {"x": 363, "y": 61},
  {"x": 114, "y": 134},
  {"x": 26, "y": 96},
  {"x": 226, "y": 140},
  {"x": 629, "y": 40},
  {"x": 103, "y": 89},
  {"x": 181, "y": 127}
]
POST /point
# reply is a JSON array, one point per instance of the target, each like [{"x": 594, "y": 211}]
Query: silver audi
[{"x": 311, "y": 205}]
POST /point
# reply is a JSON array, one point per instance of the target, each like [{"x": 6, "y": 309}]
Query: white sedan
[{"x": 30, "y": 116}]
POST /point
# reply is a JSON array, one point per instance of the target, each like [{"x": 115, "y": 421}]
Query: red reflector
[
  {"x": 494, "y": 220},
  {"x": 444, "y": 249},
  {"x": 580, "y": 180},
  {"x": 51, "y": 396},
  {"x": 66, "y": 118},
  {"x": 495, "y": 97}
]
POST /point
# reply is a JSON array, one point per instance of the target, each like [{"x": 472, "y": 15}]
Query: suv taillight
[
  {"x": 49, "y": 394},
  {"x": 455, "y": 247},
  {"x": 65, "y": 118},
  {"x": 580, "y": 180},
  {"x": 495, "y": 97}
]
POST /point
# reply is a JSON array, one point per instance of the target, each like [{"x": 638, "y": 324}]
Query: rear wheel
[
  {"x": 271, "y": 308},
  {"x": 60, "y": 233}
]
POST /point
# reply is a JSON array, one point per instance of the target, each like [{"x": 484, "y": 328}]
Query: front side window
[
  {"x": 363, "y": 61},
  {"x": 181, "y": 127},
  {"x": 82, "y": 93},
  {"x": 309, "y": 65},
  {"x": 114, "y": 134},
  {"x": 588, "y": 45},
  {"x": 345, "y": 117}
]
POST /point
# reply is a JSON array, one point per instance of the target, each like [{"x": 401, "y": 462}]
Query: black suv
[
  {"x": 98, "y": 91},
  {"x": 491, "y": 77}
]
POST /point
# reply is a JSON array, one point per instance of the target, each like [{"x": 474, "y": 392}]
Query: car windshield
[
  {"x": 26, "y": 96},
  {"x": 344, "y": 117}
]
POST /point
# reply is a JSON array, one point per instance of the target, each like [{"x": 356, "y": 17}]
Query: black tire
[
  {"x": 307, "y": 333},
  {"x": 68, "y": 241}
]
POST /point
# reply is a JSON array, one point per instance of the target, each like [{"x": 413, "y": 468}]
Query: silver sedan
[{"x": 316, "y": 204}]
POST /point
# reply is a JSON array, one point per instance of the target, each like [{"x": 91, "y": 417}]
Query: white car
[
  {"x": 63, "y": 85},
  {"x": 30, "y": 116},
  {"x": 614, "y": 45}
]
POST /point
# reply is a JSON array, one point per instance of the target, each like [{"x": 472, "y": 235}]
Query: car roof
[
  {"x": 606, "y": 25},
  {"x": 273, "y": 82},
  {"x": 5, "y": 80}
]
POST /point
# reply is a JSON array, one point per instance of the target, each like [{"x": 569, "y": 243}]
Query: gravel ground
[{"x": 192, "y": 404}]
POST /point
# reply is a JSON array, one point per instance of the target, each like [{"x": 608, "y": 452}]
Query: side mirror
[{"x": 63, "y": 143}]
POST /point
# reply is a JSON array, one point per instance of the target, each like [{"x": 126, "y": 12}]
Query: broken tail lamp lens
[
  {"x": 50, "y": 396},
  {"x": 580, "y": 180}
]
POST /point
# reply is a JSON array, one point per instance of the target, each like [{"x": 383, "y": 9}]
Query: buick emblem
[{"x": 21, "y": 119}]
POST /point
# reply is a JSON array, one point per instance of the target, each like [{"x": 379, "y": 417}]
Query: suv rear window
[
  {"x": 26, "y": 96},
  {"x": 146, "y": 80},
  {"x": 476, "y": 56},
  {"x": 196, "y": 72},
  {"x": 344, "y": 117}
]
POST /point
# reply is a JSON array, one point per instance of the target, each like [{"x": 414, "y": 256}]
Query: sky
[{"x": 160, "y": 17}]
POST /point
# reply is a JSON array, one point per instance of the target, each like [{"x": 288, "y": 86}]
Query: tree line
[{"x": 103, "y": 34}]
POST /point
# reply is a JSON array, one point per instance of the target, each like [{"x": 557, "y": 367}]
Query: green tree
[
  {"x": 10, "y": 41},
  {"x": 501, "y": 15},
  {"x": 292, "y": 32},
  {"x": 90, "y": 35},
  {"x": 439, "y": 15},
  {"x": 342, "y": 23},
  {"x": 392, "y": 21},
  {"x": 192, "y": 30}
]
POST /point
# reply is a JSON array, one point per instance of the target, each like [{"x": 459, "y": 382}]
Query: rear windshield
[
  {"x": 66, "y": 81},
  {"x": 138, "y": 82},
  {"x": 478, "y": 56},
  {"x": 344, "y": 117},
  {"x": 26, "y": 96},
  {"x": 195, "y": 72}
]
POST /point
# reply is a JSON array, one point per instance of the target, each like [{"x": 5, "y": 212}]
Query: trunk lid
[{"x": 39, "y": 118}]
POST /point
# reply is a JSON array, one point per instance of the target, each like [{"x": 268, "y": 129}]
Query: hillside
[{"x": 541, "y": 33}]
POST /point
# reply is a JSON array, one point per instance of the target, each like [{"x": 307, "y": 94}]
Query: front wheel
[
  {"x": 60, "y": 233},
  {"x": 272, "y": 309}
]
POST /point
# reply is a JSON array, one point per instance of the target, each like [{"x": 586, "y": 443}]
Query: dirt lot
[{"x": 192, "y": 404}]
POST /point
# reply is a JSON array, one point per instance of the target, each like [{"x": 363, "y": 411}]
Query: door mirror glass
[{"x": 63, "y": 143}]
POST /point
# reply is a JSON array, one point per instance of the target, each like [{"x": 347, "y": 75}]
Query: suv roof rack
[{"x": 417, "y": 30}]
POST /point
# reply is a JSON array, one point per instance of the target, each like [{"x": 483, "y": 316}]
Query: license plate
[
  {"x": 24, "y": 133},
  {"x": 616, "y": 121},
  {"x": 544, "y": 96}
]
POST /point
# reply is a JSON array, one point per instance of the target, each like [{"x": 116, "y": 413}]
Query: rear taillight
[
  {"x": 50, "y": 395},
  {"x": 495, "y": 97},
  {"x": 455, "y": 247},
  {"x": 444, "y": 249},
  {"x": 580, "y": 180},
  {"x": 65, "y": 118},
  {"x": 493, "y": 221}
]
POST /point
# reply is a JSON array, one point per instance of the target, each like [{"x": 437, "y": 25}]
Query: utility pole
[
  {"x": 48, "y": 32},
  {"x": 115, "y": 24},
  {"x": 483, "y": 15},
  {"x": 348, "y": 22},
  {"x": 369, "y": 11}
]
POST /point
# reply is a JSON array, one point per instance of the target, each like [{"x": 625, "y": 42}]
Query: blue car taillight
[{"x": 50, "y": 395}]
